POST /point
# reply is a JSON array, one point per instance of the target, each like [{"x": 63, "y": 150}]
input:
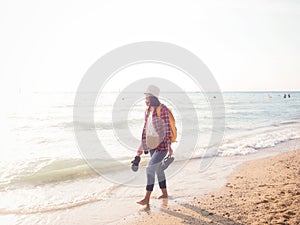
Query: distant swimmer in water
[
  {"x": 269, "y": 96},
  {"x": 284, "y": 96},
  {"x": 289, "y": 95}
]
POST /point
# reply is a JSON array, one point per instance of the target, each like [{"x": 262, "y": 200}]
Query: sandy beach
[{"x": 263, "y": 191}]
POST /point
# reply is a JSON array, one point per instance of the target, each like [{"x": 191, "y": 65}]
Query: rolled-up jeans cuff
[
  {"x": 162, "y": 184},
  {"x": 150, "y": 187}
]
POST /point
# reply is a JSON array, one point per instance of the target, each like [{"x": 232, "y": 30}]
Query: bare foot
[
  {"x": 163, "y": 196},
  {"x": 143, "y": 202}
]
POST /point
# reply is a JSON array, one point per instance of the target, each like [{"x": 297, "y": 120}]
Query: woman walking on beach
[{"x": 156, "y": 139}]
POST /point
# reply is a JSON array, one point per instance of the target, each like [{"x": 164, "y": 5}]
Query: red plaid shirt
[{"x": 162, "y": 127}]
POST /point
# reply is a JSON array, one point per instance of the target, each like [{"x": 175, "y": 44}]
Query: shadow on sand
[{"x": 204, "y": 218}]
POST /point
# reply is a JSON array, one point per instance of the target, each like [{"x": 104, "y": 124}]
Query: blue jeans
[{"x": 155, "y": 166}]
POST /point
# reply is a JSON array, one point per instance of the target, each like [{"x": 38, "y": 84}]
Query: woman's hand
[{"x": 140, "y": 151}]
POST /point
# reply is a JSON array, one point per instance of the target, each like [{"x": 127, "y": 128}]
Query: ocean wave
[
  {"x": 83, "y": 125},
  {"x": 48, "y": 208},
  {"x": 63, "y": 106},
  {"x": 290, "y": 122},
  {"x": 45, "y": 171},
  {"x": 42, "y": 171},
  {"x": 59, "y": 204},
  {"x": 98, "y": 125},
  {"x": 256, "y": 141}
]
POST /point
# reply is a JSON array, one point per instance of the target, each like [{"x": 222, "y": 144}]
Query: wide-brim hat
[{"x": 152, "y": 90}]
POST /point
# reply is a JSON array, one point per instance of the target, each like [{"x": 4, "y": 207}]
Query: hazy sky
[{"x": 248, "y": 45}]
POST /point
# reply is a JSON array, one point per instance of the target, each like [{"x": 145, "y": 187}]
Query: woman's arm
[{"x": 140, "y": 150}]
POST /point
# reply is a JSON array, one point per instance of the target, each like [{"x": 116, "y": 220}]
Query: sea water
[{"x": 42, "y": 169}]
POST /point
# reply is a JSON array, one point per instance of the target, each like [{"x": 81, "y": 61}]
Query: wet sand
[{"x": 263, "y": 191}]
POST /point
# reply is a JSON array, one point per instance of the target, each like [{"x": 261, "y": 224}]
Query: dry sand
[{"x": 264, "y": 191}]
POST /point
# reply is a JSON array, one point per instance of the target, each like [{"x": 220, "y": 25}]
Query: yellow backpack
[{"x": 172, "y": 123}]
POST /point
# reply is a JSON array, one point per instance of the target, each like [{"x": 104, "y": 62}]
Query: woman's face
[{"x": 147, "y": 100}]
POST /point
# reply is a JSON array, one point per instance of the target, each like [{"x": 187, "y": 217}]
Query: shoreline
[
  {"x": 188, "y": 186},
  {"x": 258, "y": 191}
]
